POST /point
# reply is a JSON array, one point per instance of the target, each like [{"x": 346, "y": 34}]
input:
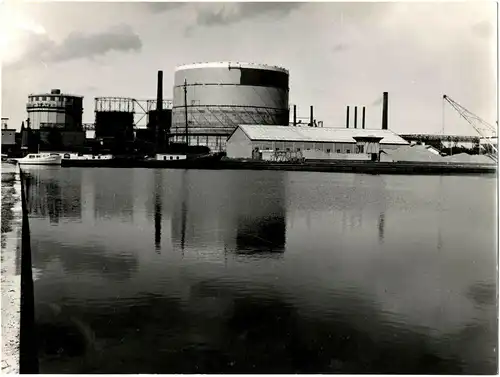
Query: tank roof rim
[
  {"x": 54, "y": 94},
  {"x": 226, "y": 63}
]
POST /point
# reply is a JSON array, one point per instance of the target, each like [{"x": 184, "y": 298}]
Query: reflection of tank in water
[
  {"x": 247, "y": 216},
  {"x": 46, "y": 195}
]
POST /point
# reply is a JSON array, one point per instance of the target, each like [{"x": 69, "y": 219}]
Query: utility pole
[{"x": 186, "y": 111}]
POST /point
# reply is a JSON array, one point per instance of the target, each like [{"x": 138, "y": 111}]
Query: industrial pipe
[
  {"x": 294, "y": 115},
  {"x": 347, "y": 118},
  {"x": 385, "y": 110},
  {"x": 363, "y": 121},
  {"x": 312, "y": 116},
  {"x": 355, "y": 117}
]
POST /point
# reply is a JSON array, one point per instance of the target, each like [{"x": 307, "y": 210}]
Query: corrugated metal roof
[{"x": 313, "y": 134}]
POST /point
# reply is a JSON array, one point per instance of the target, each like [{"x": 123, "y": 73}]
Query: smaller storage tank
[
  {"x": 114, "y": 118},
  {"x": 55, "y": 110}
]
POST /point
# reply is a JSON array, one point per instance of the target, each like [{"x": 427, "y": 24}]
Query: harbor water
[{"x": 190, "y": 271}]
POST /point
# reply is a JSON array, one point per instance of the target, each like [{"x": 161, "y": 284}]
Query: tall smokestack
[
  {"x": 294, "y": 115},
  {"x": 312, "y": 116},
  {"x": 385, "y": 110},
  {"x": 159, "y": 105},
  {"x": 347, "y": 118},
  {"x": 355, "y": 117},
  {"x": 364, "y": 113}
]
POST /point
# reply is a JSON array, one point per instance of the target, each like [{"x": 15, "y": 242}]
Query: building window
[
  {"x": 298, "y": 149},
  {"x": 328, "y": 151},
  {"x": 44, "y": 98},
  {"x": 361, "y": 148},
  {"x": 277, "y": 149},
  {"x": 348, "y": 151},
  {"x": 267, "y": 148},
  {"x": 338, "y": 150},
  {"x": 164, "y": 158},
  {"x": 288, "y": 149},
  {"x": 171, "y": 158},
  {"x": 52, "y": 98},
  {"x": 177, "y": 158}
]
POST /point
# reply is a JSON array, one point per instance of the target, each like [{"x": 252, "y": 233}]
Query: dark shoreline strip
[
  {"x": 363, "y": 167},
  {"x": 28, "y": 358}
]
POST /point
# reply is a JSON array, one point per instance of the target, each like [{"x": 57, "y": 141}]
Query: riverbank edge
[
  {"x": 364, "y": 167},
  {"x": 10, "y": 273},
  {"x": 28, "y": 339}
]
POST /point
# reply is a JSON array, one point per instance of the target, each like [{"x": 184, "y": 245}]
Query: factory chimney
[
  {"x": 312, "y": 117},
  {"x": 385, "y": 110},
  {"x": 159, "y": 105},
  {"x": 294, "y": 115},
  {"x": 355, "y": 117},
  {"x": 347, "y": 118},
  {"x": 363, "y": 121}
]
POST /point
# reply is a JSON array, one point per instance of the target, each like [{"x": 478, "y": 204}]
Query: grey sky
[{"x": 337, "y": 54}]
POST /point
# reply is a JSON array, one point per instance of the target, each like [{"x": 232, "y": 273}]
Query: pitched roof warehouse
[{"x": 312, "y": 134}]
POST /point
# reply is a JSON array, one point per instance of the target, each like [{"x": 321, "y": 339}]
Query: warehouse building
[{"x": 309, "y": 142}]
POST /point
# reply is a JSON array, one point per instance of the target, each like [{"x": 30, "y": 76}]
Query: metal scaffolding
[{"x": 139, "y": 107}]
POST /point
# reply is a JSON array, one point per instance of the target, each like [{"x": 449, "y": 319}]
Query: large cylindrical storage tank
[
  {"x": 55, "y": 110},
  {"x": 220, "y": 96}
]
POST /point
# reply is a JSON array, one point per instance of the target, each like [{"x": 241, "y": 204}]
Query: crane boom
[{"x": 483, "y": 128}]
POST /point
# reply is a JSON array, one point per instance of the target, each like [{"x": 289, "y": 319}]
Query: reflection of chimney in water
[
  {"x": 157, "y": 223},
  {"x": 157, "y": 215},
  {"x": 381, "y": 227},
  {"x": 183, "y": 211}
]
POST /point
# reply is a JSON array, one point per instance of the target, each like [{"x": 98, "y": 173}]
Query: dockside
[{"x": 366, "y": 167}]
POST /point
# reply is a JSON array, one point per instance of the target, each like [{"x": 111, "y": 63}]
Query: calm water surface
[{"x": 170, "y": 271}]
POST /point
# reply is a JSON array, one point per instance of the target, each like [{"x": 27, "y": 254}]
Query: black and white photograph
[{"x": 249, "y": 187}]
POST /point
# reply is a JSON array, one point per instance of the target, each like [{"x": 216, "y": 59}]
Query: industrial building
[
  {"x": 210, "y": 100},
  {"x": 56, "y": 118},
  {"x": 55, "y": 110},
  {"x": 114, "y": 117},
  {"x": 159, "y": 119},
  {"x": 310, "y": 142},
  {"x": 8, "y": 138}
]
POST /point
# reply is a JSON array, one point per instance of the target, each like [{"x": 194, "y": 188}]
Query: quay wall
[
  {"x": 10, "y": 272},
  {"x": 19, "y": 347},
  {"x": 365, "y": 167}
]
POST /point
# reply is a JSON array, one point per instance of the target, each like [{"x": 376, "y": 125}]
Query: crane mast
[{"x": 483, "y": 128}]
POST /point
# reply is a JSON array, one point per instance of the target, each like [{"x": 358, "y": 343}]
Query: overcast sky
[{"x": 337, "y": 54}]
